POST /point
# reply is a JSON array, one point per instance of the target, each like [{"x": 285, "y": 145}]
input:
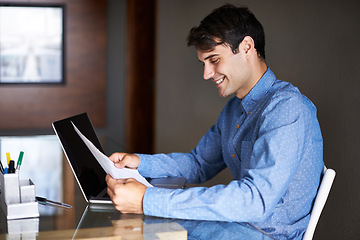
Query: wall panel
[
  {"x": 140, "y": 75},
  {"x": 36, "y": 106}
]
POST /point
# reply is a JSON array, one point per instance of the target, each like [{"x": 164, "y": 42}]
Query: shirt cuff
[
  {"x": 142, "y": 167},
  {"x": 156, "y": 201}
]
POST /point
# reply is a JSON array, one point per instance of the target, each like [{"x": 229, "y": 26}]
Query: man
[{"x": 267, "y": 135}]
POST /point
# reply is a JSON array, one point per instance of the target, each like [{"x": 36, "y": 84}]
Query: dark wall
[
  {"x": 115, "y": 89},
  {"x": 312, "y": 44}
]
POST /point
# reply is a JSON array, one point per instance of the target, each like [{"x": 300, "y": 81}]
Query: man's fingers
[
  {"x": 112, "y": 182},
  {"x": 129, "y": 180},
  {"x": 113, "y": 185},
  {"x": 122, "y": 160},
  {"x": 126, "y": 194},
  {"x": 121, "y": 164},
  {"x": 117, "y": 157}
]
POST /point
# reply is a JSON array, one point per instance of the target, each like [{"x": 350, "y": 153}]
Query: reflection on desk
[
  {"x": 222, "y": 230},
  {"x": 54, "y": 180},
  {"x": 109, "y": 223}
]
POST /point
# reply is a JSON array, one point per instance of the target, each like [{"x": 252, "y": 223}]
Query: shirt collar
[{"x": 250, "y": 101}]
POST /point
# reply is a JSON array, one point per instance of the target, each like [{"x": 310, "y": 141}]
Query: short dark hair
[{"x": 228, "y": 25}]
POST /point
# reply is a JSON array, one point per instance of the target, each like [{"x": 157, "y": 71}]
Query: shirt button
[
  {"x": 237, "y": 125},
  {"x": 234, "y": 156},
  {"x": 249, "y": 112}
]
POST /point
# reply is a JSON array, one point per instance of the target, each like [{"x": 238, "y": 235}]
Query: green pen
[{"x": 19, "y": 161}]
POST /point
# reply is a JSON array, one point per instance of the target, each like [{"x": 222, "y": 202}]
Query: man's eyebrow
[{"x": 210, "y": 56}]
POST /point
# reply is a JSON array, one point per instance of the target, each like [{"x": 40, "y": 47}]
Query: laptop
[{"x": 87, "y": 171}]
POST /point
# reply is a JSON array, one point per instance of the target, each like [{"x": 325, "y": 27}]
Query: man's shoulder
[
  {"x": 287, "y": 90},
  {"x": 286, "y": 95},
  {"x": 283, "y": 87}
]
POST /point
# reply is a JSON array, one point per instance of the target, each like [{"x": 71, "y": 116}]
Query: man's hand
[
  {"x": 122, "y": 160},
  {"x": 126, "y": 194}
]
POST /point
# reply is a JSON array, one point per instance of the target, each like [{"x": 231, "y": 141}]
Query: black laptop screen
[{"x": 86, "y": 168}]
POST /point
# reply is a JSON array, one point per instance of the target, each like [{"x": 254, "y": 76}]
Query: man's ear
[{"x": 247, "y": 46}]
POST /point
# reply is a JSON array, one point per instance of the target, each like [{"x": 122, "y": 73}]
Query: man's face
[{"x": 230, "y": 72}]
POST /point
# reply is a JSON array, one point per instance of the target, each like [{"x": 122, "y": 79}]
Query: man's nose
[{"x": 208, "y": 72}]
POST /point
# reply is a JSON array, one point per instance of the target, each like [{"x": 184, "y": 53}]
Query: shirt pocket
[
  {"x": 245, "y": 155},
  {"x": 246, "y": 150}
]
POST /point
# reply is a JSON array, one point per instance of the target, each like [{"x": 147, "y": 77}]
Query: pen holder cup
[{"x": 17, "y": 198}]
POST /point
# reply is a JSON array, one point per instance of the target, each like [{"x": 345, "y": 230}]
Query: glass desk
[{"x": 45, "y": 164}]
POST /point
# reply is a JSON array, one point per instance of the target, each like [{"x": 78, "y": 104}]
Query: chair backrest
[{"x": 319, "y": 203}]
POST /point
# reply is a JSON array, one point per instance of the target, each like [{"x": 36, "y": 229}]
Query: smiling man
[
  {"x": 233, "y": 73},
  {"x": 267, "y": 135}
]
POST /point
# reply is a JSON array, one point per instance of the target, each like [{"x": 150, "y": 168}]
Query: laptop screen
[{"x": 88, "y": 171}]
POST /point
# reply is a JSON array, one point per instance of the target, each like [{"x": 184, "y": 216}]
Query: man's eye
[{"x": 214, "y": 60}]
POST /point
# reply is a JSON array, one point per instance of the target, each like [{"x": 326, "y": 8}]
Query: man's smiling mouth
[{"x": 219, "y": 81}]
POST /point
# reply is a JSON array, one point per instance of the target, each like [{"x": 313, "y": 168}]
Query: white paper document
[{"x": 109, "y": 166}]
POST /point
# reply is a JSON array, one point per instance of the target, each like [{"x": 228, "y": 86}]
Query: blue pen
[{"x": 6, "y": 170}]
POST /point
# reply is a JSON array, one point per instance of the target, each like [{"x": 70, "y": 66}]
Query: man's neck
[{"x": 259, "y": 69}]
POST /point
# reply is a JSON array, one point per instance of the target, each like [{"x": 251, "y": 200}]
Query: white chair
[{"x": 319, "y": 203}]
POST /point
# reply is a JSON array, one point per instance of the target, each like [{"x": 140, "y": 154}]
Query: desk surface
[{"x": 56, "y": 182}]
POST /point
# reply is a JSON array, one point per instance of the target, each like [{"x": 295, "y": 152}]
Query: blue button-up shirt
[{"x": 271, "y": 142}]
